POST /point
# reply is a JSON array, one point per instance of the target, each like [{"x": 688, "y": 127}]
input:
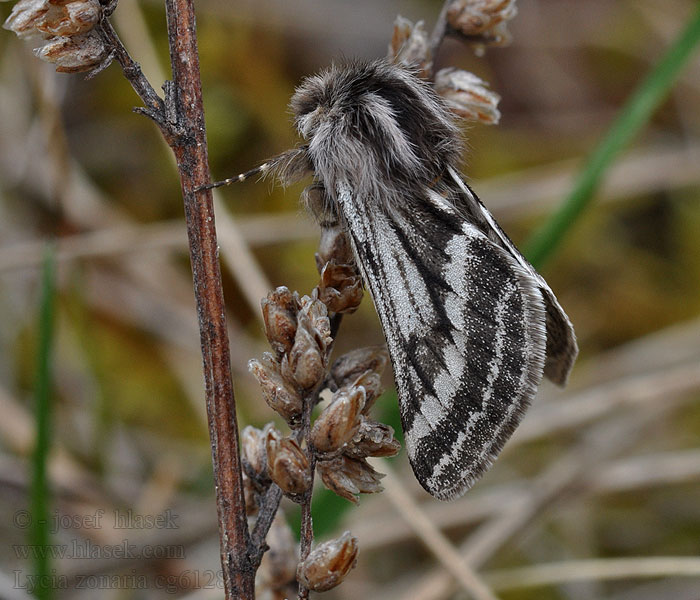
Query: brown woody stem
[
  {"x": 191, "y": 153},
  {"x": 180, "y": 118}
]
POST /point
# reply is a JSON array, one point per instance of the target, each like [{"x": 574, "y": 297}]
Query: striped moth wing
[
  {"x": 467, "y": 324},
  {"x": 470, "y": 325}
]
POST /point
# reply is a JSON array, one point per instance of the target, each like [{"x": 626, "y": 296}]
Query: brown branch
[{"x": 190, "y": 148}]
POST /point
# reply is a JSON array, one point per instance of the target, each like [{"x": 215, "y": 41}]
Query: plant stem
[
  {"x": 190, "y": 150},
  {"x": 39, "y": 531},
  {"x": 634, "y": 115}
]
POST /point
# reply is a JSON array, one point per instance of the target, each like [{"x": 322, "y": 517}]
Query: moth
[{"x": 470, "y": 325}]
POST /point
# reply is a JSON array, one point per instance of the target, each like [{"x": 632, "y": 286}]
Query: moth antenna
[{"x": 261, "y": 169}]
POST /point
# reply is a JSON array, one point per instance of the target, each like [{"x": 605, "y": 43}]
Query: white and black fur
[{"x": 470, "y": 325}]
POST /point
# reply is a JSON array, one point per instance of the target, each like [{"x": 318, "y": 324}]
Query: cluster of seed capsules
[
  {"x": 343, "y": 435},
  {"x": 65, "y": 30}
]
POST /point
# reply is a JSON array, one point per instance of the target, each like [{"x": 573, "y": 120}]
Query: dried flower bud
[
  {"x": 278, "y": 392},
  {"x": 329, "y": 563},
  {"x": 339, "y": 421},
  {"x": 254, "y": 451},
  {"x": 280, "y": 316},
  {"x": 287, "y": 464},
  {"x": 334, "y": 245},
  {"x": 279, "y": 563},
  {"x": 340, "y": 288},
  {"x": 349, "y": 477},
  {"x": 350, "y": 366},
  {"x": 25, "y": 15},
  {"x": 69, "y": 19},
  {"x": 373, "y": 439},
  {"x": 73, "y": 54},
  {"x": 482, "y": 20},
  {"x": 309, "y": 354},
  {"x": 467, "y": 95},
  {"x": 410, "y": 46}
]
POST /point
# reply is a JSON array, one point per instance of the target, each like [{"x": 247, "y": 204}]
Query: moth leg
[{"x": 315, "y": 199}]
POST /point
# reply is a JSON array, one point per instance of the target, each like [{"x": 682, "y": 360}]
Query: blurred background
[{"x": 607, "y": 469}]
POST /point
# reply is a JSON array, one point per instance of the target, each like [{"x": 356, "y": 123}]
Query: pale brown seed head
[
  {"x": 287, "y": 464},
  {"x": 279, "y": 393},
  {"x": 329, "y": 563},
  {"x": 279, "y": 311},
  {"x": 468, "y": 96},
  {"x": 410, "y": 45},
  {"x": 73, "y": 54},
  {"x": 349, "y": 477},
  {"x": 71, "y": 18},
  {"x": 346, "y": 369},
  {"x": 482, "y": 21},
  {"x": 25, "y": 16},
  {"x": 373, "y": 439},
  {"x": 309, "y": 355},
  {"x": 254, "y": 451},
  {"x": 339, "y": 421},
  {"x": 340, "y": 288}
]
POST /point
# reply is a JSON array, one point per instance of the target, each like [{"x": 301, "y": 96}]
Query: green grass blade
[
  {"x": 39, "y": 532},
  {"x": 635, "y": 114}
]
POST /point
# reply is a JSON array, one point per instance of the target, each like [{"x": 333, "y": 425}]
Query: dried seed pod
[
  {"x": 280, "y": 316},
  {"x": 309, "y": 355},
  {"x": 69, "y": 19},
  {"x": 254, "y": 452},
  {"x": 373, "y": 439},
  {"x": 410, "y": 45},
  {"x": 468, "y": 96},
  {"x": 73, "y": 54},
  {"x": 350, "y": 366},
  {"x": 349, "y": 477},
  {"x": 484, "y": 21},
  {"x": 340, "y": 288},
  {"x": 24, "y": 17},
  {"x": 278, "y": 392},
  {"x": 287, "y": 464},
  {"x": 371, "y": 382},
  {"x": 279, "y": 563},
  {"x": 339, "y": 421},
  {"x": 329, "y": 563},
  {"x": 334, "y": 245}
]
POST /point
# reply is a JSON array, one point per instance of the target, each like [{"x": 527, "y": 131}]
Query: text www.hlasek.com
[{"x": 86, "y": 549}]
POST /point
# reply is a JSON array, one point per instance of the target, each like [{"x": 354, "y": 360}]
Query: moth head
[{"x": 378, "y": 116}]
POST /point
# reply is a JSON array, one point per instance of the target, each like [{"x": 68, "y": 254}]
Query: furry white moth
[{"x": 470, "y": 325}]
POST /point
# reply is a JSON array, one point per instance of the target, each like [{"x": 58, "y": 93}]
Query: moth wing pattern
[
  {"x": 562, "y": 348},
  {"x": 465, "y": 327}
]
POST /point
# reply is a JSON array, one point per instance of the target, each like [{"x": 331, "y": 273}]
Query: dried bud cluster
[
  {"x": 343, "y": 436},
  {"x": 410, "y": 46},
  {"x": 280, "y": 393},
  {"x": 340, "y": 288},
  {"x": 329, "y": 563},
  {"x": 468, "y": 96},
  {"x": 299, "y": 332},
  {"x": 483, "y": 21},
  {"x": 287, "y": 463},
  {"x": 67, "y": 28},
  {"x": 307, "y": 360}
]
